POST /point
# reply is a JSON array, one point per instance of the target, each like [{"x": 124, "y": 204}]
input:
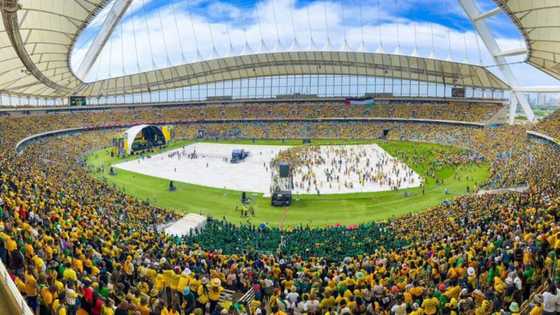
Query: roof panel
[
  {"x": 39, "y": 29},
  {"x": 335, "y": 63},
  {"x": 538, "y": 21},
  {"x": 47, "y": 30}
]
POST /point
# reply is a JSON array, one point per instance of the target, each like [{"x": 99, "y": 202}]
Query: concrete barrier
[{"x": 10, "y": 297}]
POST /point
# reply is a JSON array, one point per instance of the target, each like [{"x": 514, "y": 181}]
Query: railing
[
  {"x": 542, "y": 138},
  {"x": 248, "y": 297},
  {"x": 8, "y": 289},
  {"x": 525, "y": 306}
]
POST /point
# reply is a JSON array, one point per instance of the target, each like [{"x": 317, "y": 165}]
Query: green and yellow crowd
[
  {"x": 75, "y": 245},
  {"x": 550, "y": 125}
]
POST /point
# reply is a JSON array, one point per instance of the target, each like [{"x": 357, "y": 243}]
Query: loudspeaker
[{"x": 284, "y": 169}]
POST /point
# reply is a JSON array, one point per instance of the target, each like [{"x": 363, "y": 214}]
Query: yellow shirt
[
  {"x": 39, "y": 263},
  {"x": 419, "y": 311},
  {"x": 214, "y": 293},
  {"x": 59, "y": 309},
  {"x": 194, "y": 284},
  {"x": 46, "y": 296},
  {"x": 453, "y": 292},
  {"x": 327, "y": 302},
  {"x": 128, "y": 267},
  {"x": 170, "y": 311},
  {"x": 170, "y": 278},
  {"x": 11, "y": 245},
  {"x": 159, "y": 282},
  {"x": 430, "y": 305},
  {"x": 407, "y": 297},
  {"x": 417, "y": 291},
  {"x": 69, "y": 274},
  {"x": 78, "y": 264},
  {"x": 107, "y": 311},
  {"x": 144, "y": 309},
  {"x": 202, "y": 295},
  {"x": 30, "y": 285},
  {"x": 29, "y": 252},
  {"x": 183, "y": 283},
  {"x": 19, "y": 284},
  {"x": 537, "y": 310}
]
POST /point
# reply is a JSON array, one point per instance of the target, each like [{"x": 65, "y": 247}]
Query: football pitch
[{"x": 310, "y": 210}]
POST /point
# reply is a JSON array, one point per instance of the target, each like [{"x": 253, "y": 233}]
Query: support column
[{"x": 479, "y": 21}]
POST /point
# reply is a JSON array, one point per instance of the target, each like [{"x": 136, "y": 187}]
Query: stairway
[
  {"x": 236, "y": 297},
  {"x": 499, "y": 118}
]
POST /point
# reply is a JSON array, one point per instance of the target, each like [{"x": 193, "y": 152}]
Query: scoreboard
[
  {"x": 77, "y": 101},
  {"x": 458, "y": 92}
]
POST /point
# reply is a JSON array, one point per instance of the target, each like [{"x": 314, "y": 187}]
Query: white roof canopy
[
  {"x": 300, "y": 63},
  {"x": 539, "y": 22},
  {"x": 37, "y": 37}
]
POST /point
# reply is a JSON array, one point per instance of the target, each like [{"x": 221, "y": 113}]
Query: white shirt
[
  {"x": 301, "y": 308},
  {"x": 292, "y": 297},
  {"x": 313, "y": 306},
  {"x": 549, "y": 302},
  {"x": 399, "y": 309}
]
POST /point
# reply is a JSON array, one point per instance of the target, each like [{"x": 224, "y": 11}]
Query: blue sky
[{"x": 161, "y": 33}]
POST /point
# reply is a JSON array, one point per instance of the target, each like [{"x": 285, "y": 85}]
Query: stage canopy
[{"x": 147, "y": 132}]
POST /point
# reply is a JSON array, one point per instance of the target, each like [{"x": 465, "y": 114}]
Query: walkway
[{"x": 517, "y": 189}]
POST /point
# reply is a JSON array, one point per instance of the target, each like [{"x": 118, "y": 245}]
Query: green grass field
[{"x": 308, "y": 209}]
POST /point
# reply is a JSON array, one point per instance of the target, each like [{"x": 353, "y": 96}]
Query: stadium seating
[
  {"x": 73, "y": 243},
  {"x": 550, "y": 125}
]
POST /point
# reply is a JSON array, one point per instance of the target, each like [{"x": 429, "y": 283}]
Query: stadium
[{"x": 176, "y": 157}]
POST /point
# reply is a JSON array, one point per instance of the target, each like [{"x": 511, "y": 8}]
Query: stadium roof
[
  {"x": 539, "y": 21},
  {"x": 36, "y": 39},
  {"x": 294, "y": 63},
  {"x": 38, "y": 36}
]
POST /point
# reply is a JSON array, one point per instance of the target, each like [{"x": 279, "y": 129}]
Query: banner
[{"x": 359, "y": 101}]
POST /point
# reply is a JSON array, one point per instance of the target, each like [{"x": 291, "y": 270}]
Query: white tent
[{"x": 186, "y": 224}]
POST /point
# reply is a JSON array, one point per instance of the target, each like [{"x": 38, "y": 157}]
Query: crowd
[
  {"x": 421, "y": 132},
  {"x": 335, "y": 169},
  {"x": 471, "y": 112},
  {"x": 333, "y": 243},
  {"x": 75, "y": 245},
  {"x": 550, "y": 125}
]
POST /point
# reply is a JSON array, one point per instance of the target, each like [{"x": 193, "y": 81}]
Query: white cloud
[{"x": 101, "y": 16}]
